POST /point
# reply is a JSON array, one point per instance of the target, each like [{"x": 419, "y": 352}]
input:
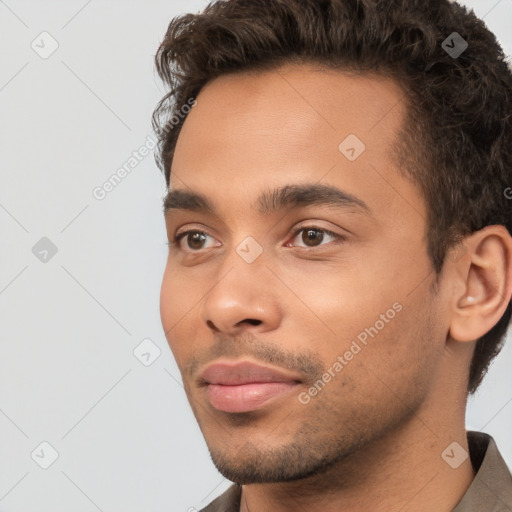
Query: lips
[
  {"x": 245, "y": 386},
  {"x": 232, "y": 374}
]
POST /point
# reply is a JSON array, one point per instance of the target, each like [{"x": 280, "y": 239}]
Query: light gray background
[{"x": 125, "y": 436}]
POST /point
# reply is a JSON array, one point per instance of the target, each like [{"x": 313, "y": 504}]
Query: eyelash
[{"x": 339, "y": 238}]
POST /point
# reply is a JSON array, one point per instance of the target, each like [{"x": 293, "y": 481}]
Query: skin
[{"x": 372, "y": 438}]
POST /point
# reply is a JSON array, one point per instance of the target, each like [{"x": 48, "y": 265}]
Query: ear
[{"x": 482, "y": 279}]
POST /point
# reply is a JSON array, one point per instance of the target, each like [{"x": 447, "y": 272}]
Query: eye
[
  {"x": 195, "y": 240},
  {"x": 313, "y": 236}
]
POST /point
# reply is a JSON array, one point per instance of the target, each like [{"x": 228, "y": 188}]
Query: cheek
[
  {"x": 167, "y": 299},
  {"x": 176, "y": 305},
  {"x": 364, "y": 311},
  {"x": 340, "y": 300},
  {"x": 400, "y": 359},
  {"x": 382, "y": 378},
  {"x": 178, "y": 294}
]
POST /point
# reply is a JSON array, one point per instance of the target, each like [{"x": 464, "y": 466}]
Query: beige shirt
[{"x": 490, "y": 491}]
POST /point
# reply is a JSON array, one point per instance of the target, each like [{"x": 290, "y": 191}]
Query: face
[{"x": 298, "y": 305}]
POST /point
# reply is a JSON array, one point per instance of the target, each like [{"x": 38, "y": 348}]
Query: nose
[{"x": 243, "y": 297}]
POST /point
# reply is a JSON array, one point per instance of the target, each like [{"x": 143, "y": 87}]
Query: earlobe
[{"x": 484, "y": 283}]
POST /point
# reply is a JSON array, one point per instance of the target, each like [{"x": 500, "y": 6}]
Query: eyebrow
[{"x": 288, "y": 196}]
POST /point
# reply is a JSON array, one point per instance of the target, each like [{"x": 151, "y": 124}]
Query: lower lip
[{"x": 246, "y": 397}]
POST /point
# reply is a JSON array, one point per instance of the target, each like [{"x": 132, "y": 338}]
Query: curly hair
[{"x": 456, "y": 141}]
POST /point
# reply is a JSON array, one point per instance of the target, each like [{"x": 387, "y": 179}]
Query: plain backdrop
[{"x": 80, "y": 277}]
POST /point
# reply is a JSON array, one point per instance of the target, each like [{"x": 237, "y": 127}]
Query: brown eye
[
  {"x": 194, "y": 240},
  {"x": 313, "y": 236}
]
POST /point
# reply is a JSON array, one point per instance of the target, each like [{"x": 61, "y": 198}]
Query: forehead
[
  {"x": 256, "y": 131},
  {"x": 290, "y": 107}
]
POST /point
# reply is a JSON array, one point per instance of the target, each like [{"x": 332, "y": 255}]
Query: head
[{"x": 343, "y": 181}]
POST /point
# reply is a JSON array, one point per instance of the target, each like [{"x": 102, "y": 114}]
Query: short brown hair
[{"x": 456, "y": 144}]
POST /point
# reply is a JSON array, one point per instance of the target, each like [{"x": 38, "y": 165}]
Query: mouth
[{"x": 245, "y": 386}]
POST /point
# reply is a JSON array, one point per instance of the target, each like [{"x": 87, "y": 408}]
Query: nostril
[
  {"x": 211, "y": 325},
  {"x": 252, "y": 321}
]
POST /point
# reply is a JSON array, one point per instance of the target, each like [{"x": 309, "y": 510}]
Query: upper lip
[{"x": 243, "y": 372}]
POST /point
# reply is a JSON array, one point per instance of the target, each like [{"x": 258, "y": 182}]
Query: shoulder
[
  {"x": 491, "y": 489},
  {"x": 228, "y": 501}
]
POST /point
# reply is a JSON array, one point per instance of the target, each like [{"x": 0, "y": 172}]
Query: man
[{"x": 340, "y": 265}]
